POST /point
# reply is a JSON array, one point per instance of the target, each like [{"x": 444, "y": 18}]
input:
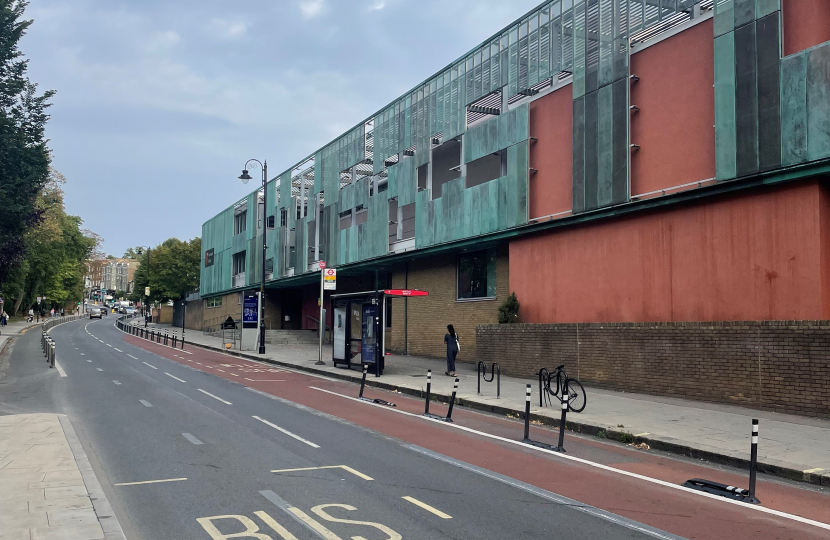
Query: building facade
[
  {"x": 117, "y": 275},
  {"x": 606, "y": 160}
]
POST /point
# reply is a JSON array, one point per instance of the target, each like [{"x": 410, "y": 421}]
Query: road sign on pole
[
  {"x": 146, "y": 291},
  {"x": 322, "y": 264},
  {"x": 330, "y": 279}
]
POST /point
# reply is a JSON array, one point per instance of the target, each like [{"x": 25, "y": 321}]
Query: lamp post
[
  {"x": 146, "y": 297},
  {"x": 245, "y": 177}
]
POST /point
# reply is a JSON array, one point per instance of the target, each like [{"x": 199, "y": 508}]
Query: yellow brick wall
[{"x": 429, "y": 316}]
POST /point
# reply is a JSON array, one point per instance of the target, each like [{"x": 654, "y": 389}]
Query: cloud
[
  {"x": 162, "y": 41},
  {"x": 227, "y": 29},
  {"x": 377, "y": 6},
  {"x": 311, "y": 8}
]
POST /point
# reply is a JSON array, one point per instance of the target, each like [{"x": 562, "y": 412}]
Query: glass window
[
  {"x": 477, "y": 275},
  {"x": 240, "y": 222}
]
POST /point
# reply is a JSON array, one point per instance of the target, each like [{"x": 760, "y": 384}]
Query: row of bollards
[
  {"x": 155, "y": 336},
  {"x": 48, "y": 345}
]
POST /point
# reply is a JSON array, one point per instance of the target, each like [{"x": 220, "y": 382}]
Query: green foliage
[
  {"x": 24, "y": 157},
  {"x": 509, "y": 310},
  {"x": 55, "y": 252},
  {"x": 171, "y": 270},
  {"x": 134, "y": 253}
]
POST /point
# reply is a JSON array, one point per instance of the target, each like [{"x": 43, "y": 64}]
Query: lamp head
[{"x": 245, "y": 176}]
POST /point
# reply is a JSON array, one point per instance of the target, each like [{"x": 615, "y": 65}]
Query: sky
[{"x": 161, "y": 102}]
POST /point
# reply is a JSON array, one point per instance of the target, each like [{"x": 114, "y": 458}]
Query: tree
[
  {"x": 509, "y": 310},
  {"x": 24, "y": 157},
  {"x": 134, "y": 253},
  {"x": 172, "y": 271}
]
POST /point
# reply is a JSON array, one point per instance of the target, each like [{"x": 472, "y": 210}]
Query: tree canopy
[
  {"x": 24, "y": 157},
  {"x": 171, "y": 270}
]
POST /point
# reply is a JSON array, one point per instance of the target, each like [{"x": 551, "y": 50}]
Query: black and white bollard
[
  {"x": 175, "y": 336},
  {"x": 753, "y": 464},
  {"x": 52, "y": 363},
  {"x": 561, "y": 446},
  {"x": 452, "y": 400},
  {"x": 527, "y": 414},
  {"x": 363, "y": 380},
  {"x": 165, "y": 336},
  {"x": 429, "y": 387}
]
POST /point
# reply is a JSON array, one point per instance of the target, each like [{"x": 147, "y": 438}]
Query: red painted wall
[
  {"x": 805, "y": 23},
  {"x": 311, "y": 293},
  {"x": 754, "y": 256},
  {"x": 551, "y": 122},
  {"x": 674, "y": 126}
]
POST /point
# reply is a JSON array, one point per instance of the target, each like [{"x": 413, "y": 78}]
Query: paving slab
[{"x": 49, "y": 490}]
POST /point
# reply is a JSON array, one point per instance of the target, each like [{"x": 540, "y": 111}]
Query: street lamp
[
  {"x": 146, "y": 298},
  {"x": 245, "y": 177}
]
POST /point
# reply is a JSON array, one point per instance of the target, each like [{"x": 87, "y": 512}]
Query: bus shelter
[{"x": 359, "y": 327}]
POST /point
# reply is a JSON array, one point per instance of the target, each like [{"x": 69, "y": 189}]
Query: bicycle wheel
[{"x": 576, "y": 395}]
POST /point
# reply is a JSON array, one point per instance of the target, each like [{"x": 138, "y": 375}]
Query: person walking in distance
[
  {"x": 451, "y": 339},
  {"x": 32, "y": 315}
]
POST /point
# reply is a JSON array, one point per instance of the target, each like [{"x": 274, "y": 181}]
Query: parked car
[
  {"x": 129, "y": 310},
  {"x": 95, "y": 313}
]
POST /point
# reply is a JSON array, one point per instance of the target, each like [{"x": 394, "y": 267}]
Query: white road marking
[
  {"x": 116, "y": 382},
  {"x": 234, "y": 374},
  {"x": 559, "y": 455},
  {"x": 145, "y": 403},
  {"x": 61, "y": 372},
  {"x": 108, "y": 345},
  {"x": 264, "y": 380},
  {"x": 150, "y": 482},
  {"x": 82, "y": 354},
  {"x": 191, "y": 438},
  {"x": 99, "y": 369},
  {"x": 131, "y": 356},
  {"x": 214, "y": 397},
  {"x": 267, "y": 423},
  {"x": 90, "y": 361},
  {"x": 217, "y": 369},
  {"x": 119, "y": 350},
  {"x": 151, "y": 365},
  {"x": 174, "y": 377},
  {"x": 427, "y": 507},
  {"x": 344, "y": 467}
]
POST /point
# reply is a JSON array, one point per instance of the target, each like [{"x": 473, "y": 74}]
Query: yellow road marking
[
  {"x": 808, "y": 471},
  {"x": 150, "y": 482},
  {"x": 427, "y": 507},
  {"x": 268, "y": 520},
  {"x": 314, "y": 524},
  {"x": 344, "y": 467},
  {"x": 642, "y": 434}
]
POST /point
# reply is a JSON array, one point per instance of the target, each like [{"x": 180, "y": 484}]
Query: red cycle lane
[{"x": 676, "y": 511}]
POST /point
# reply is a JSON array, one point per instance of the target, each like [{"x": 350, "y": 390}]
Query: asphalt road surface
[{"x": 199, "y": 445}]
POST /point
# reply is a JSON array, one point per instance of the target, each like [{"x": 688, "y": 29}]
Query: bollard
[
  {"x": 174, "y": 340},
  {"x": 165, "y": 336},
  {"x": 182, "y": 341},
  {"x": 429, "y": 386},
  {"x": 527, "y": 415},
  {"x": 452, "y": 400},
  {"x": 52, "y": 364},
  {"x": 561, "y": 446},
  {"x": 753, "y": 464},
  {"x": 363, "y": 381}
]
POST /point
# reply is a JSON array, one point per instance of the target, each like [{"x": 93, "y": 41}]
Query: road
[{"x": 199, "y": 445}]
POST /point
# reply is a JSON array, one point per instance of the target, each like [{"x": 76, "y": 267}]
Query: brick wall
[
  {"x": 429, "y": 316},
  {"x": 231, "y": 307},
  {"x": 776, "y": 365}
]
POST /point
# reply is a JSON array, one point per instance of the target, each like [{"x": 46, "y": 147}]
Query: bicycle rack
[{"x": 495, "y": 371}]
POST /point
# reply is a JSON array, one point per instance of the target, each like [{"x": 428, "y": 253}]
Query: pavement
[
  {"x": 8, "y": 332},
  {"x": 791, "y": 446},
  {"x": 49, "y": 490}
]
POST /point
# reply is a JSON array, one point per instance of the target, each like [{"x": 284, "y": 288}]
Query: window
[
  {"x": 361, "y": 215},
  {"x": 240, "y": 222},
  {"x": 239, "y": 263},
  {"x": 446, "y": 165},
  {"x": 271, "y": 222},
  {"x": 423, "y": 173},
  {"x": 214, "y": 302},
  {"x": 345, "y": 220},
  {"x": 283, "y": 217},
  {"x": 408, "y": 221},
  {"x": 393, "y": 221},
  {"x": 477, "y": 275},
  {"x": 487, "y": 168}
]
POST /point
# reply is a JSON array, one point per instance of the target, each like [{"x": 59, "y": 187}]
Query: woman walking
[{"x": 451, "y": 339}]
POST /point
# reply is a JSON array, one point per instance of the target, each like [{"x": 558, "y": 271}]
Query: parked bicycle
[{"x": 558, "y": 384}]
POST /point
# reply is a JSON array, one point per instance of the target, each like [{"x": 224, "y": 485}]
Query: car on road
[
  {"x": 129, "y": 310},
  {"x": 95, "y": 313}
]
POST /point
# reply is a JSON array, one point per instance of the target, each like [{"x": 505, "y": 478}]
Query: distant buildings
[{"x": 111, "y": 274}]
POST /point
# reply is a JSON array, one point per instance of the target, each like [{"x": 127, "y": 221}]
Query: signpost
[
  {"x": 330, "y": 279},
  {"x": 321, "y": 324}
]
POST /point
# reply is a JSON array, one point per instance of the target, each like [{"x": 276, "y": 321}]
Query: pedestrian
[
  {"x": 62, "y": 312},
  {"x": 3, "y": 317},
  {"x": 32, "y": 315},
  {"x": 451, "y": 339},
  {"x": 52, "y": 312}
]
